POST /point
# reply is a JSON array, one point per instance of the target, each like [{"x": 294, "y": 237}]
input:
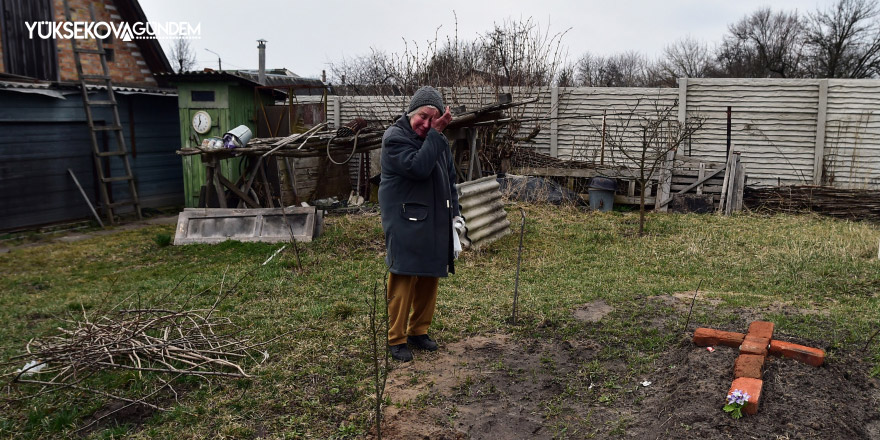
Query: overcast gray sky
[{"x": 305, "y": 36}]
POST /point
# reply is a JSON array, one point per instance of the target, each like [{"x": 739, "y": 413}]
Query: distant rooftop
[{"x": 274, "y": 77}]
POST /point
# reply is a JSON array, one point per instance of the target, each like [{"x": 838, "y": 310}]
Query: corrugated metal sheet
[
  {"x": 483, "y": 210},
  {"x": 247, "y": 77},
  {"x": 63, "y": 90}
]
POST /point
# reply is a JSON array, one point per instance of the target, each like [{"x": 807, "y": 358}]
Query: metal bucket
[
  {"x": 239, "y": 136},
  {"x": 601, "y": 191}
]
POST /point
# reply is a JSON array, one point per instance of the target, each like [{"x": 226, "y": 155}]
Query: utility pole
[{"x": 219, "y": 63}]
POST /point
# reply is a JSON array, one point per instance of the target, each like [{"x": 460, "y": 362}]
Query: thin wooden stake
[
  {"x": 688, "y": 321},
  {"x": 89, "y": 202},
  {"x": 292, "y": 238},
  {"x": 522, "y": 231},
  {"x": 870, "y": 339}
]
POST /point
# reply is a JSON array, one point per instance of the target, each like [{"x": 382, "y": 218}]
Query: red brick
[
  {"x": 808, "y": 355},
  {"x": 761, "y": 329},
  {"x": 123, "y": 70},
  {"x": 706, "y": 336},
  {"x": 753, "y": 388},
  {"x": 748, "y": 365},
  {"x": 753, "y": 345}
]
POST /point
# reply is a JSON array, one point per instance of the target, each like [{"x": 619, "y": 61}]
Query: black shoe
[
  {"x": 401, "y": 353},
  {"x": 423, "y": 342}
]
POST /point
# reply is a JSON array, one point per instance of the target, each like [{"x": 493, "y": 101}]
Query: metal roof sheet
[{"x": 59, "y": 90}]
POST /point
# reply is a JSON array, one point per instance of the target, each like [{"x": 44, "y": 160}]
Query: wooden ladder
[{"x": 105, "y": 179}]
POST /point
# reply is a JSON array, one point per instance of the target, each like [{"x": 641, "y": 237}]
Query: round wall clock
[{"x": 201, "y": 122}]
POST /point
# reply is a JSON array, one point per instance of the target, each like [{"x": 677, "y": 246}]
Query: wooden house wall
[{"x": 44, "y": 136}]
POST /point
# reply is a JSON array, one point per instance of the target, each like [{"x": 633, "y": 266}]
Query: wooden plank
[
  {"x": 698, "y": 182},
  {"x": 701, "y": 177},
  {"x": 575, "y": 172},
  {"x": 708, "y": 187},
  {"x": 620, "y": 199},
  {"x": 739, "y": 187},
  {"x": 731, "y": 183},
  {"x": 244, "y": 197},
  {"x": 726, "y": 179}
]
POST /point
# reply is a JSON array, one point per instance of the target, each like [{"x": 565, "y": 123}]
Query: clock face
[{"x": 201, "y": 122}]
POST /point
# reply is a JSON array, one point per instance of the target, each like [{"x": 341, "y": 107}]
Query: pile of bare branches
[
  {"x": 851, "y": 204},
  {"x": 177, "y": 342},
  {"x": 316, "y": 145},
  {"x": 167, "y": 344}
]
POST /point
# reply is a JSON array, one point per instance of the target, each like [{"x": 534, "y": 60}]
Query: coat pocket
[{"x": 414, "y": 212}]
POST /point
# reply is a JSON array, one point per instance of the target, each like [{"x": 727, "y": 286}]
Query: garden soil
[{"x": 503, "y": 387}]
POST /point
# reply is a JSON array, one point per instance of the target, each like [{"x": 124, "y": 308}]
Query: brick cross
[{"x": 753, "y": 348}]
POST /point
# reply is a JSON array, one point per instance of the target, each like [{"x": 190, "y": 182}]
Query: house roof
[
  {"x": 16, "y": 83},
  {"x": 245, "y": 77},
  {"x": 154, "y": 56}
]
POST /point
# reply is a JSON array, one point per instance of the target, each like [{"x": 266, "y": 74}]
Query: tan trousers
[{"x": 405, "y": 293}]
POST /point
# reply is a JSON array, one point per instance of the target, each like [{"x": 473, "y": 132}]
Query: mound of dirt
[{"x": 500, "y": 387}]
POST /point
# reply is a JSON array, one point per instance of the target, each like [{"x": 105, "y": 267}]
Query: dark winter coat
[{"x": 418, "y": 199}]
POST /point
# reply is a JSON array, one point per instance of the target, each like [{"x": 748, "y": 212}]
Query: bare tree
[
  {"x": 844, "y": 40},
  {"x": 566, "y": 76},
  {"x": 522, "y": 54},
  {"x": 183, "y": 57},
  {"x": 627, "y": 69},
  {"x": 763, "y": 44},
  {"x": 686, "y": 57},
  {"x": 519, "y": 58},
  {"x": 645, "y": 136},
  {"x": 588, "y": 70}
]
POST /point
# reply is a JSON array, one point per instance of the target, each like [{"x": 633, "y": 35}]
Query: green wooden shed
[{"x": 229, "y": 99}]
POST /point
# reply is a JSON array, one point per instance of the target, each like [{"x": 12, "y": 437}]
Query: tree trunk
[{"x": 643, "y": 184}]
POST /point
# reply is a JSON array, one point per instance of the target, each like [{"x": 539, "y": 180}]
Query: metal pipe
[
  {"x": 728, "y": 129},
  {"x": 261, "y": 73}
]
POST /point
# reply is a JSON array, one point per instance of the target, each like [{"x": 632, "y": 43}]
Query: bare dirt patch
[
  {"x": 484, "y": 387},
  {"x": 503, "y": 387},
  {"x": 592, "y": 312}
]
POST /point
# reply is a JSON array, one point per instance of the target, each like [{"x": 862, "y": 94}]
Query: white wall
[{"x": 786, "y": 130}]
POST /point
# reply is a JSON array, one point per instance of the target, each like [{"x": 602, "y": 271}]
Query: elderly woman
[{"x": 419, "y": 202}]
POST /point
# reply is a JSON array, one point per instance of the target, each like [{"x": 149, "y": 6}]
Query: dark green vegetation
[{"x": 317, "y": 381}]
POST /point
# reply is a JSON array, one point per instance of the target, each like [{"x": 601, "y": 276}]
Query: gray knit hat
[{"x": 426, "y": 95}]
